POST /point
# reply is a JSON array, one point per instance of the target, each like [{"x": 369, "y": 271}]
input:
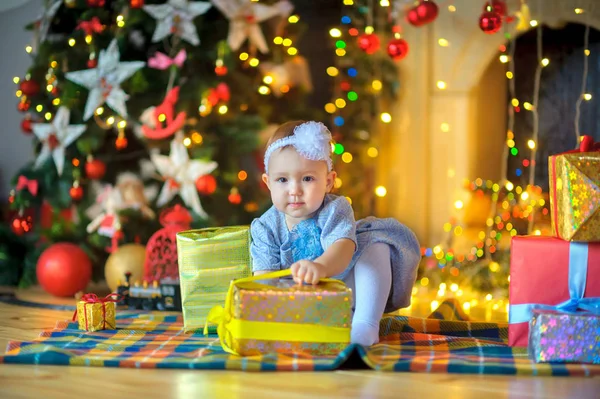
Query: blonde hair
[{"x": 284, "y": 130}]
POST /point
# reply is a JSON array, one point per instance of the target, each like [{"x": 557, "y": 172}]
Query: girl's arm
[{"x": 337, "y": 257}]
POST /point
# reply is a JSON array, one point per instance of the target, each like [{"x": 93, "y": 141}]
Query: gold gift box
[
  {"x": 575, "y": 196},
  {"x": 209, "y": 259},
  {"x": 94, "y": 316},
  {"x": 278, "y": 316}
]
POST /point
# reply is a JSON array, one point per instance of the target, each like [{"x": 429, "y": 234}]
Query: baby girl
[{"x": 314, "y": 233}]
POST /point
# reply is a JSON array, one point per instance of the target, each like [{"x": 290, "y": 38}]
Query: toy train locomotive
[{"x": 160, "y": 295}]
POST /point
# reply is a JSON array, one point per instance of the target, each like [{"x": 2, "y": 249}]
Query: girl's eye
[
  {"x": 308, "y": 178},
  {"x": 281, "y": 180}
]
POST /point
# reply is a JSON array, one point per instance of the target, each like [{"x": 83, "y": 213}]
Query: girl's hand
[{"x": 307, "y": 271}]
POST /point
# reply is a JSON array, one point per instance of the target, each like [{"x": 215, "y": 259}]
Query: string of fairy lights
[
  {"x": 370, "y": 18},
  {"x": 529, "y": 195}
]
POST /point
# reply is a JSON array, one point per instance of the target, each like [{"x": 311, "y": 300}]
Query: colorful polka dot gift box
[
  {"x": 265, "y": 314},
  {"x": 575, "y": 193}
]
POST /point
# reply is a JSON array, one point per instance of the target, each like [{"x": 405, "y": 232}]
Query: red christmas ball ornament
[
  {"x": 121, "y": 143},
  {"x": 369, "y": 43},
  {"x": 26, "y": 125},
  {"x": 21, "y": 225},
  {"x": 221, "y": 70},
  {"x": 490, "y": 22},
  {"x": 95, "y": 169},
  {"x": 136, "y": 3},
  {"x": 235, "y": 198},
  {"x": 92, "y": 63},
  {"x": 206, "y": 184},
  {"x": 397, "y": 49},
  {"x": 64, "y": 269},
  {"x": 497, "y": 6},
  {"x": 76, "y": 192},
  {"x": 29, "y": 87},
  {"x": 96, "y": 3},
  {"x": 24, "y": 106},
  {"x": 423, "y": 13}
]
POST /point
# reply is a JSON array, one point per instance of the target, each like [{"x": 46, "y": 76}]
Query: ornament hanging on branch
[
  {"x": 161, "y": 250},
  {"x": 94, "y": 168},
  {"x": 90, "y": 27},
  {"x": 177, "y": 18},
  {"x": 397, "y": 49},
  {"x": 92, "y": 61},
  {"x": 31, "y": 185},
  {"x": 162, "y": 61},
  {"x": 76, "y": 192},
  {"x": 133, "y": 193},
  {"x": 95, "y": 3},
  {"x": 160, "y": 122},
  {"x": 218, "y": 94},
  {"x": 103, "y": 81},
  {"x": 423, "y": 13},
  {"x": 180, "y": 175},
  {"x": 121, "y": 141},
  {"x": 21, "y": 224},
  {"x": 498, "y": 6},
  {"x": 44, "y": 21},
  {"x": 490, "y": 21},
  {"x": 369, "y": 42},
  {"x": 107, "y": 222},
  {"x": 244, "y": 19},
  {"x": 524, "y": 17},
  {"x": 24, "y": 104},
  {"x": 26, "y": 124},
  {"x": 29, "y": 87},
  {"x": 206, "y": 184},
  {"x": 136, "y": 3},
  {"x": 234, "y": 196},
  {"x": 56, "y": 137},
  {"x": 220, "y": 68}
]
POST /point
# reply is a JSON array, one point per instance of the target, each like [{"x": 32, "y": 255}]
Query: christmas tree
[{"x": 135, "y": 106}]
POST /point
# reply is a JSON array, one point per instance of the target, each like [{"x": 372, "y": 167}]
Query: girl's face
[{"x": 298, "y": 185}]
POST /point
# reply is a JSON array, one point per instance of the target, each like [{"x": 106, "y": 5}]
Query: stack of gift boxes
[
  {"x": 555, "y": 281},
  {"x": 260, "y": 314}
]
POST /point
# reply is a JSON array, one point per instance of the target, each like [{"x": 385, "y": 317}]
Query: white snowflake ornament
[
  {"x": 244, "y": 19},
  {"x": 180, "y": 174},
  {"x": 104, "y": 80},
  {"x": 55, "y": 138},
  {"x": 177, "y": 17}
]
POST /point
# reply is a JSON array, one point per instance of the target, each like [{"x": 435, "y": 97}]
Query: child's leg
[{"x": 373, "y": 282}]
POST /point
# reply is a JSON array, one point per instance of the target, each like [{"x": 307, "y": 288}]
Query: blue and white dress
[{"x": 275, "y": 247}]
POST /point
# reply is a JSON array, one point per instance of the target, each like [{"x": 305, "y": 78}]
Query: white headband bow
[{"x": 311, "y": 139}]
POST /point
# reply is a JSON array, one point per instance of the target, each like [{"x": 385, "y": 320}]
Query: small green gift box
[{"x": 209, "y": 259}]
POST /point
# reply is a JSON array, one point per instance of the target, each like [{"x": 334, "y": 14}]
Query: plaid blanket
[{"x": 446, "y": 342}]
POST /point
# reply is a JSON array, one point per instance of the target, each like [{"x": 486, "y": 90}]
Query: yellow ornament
[
  {"x": 524, "y": 17},
  {"x": 127, "y": 258}
]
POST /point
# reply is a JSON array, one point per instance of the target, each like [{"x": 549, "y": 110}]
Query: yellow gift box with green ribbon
[
  {"x": 209, "y": 259},
  {"x": 264, "y": 314}
]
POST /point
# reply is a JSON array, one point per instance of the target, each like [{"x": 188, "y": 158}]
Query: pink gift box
[{"x": 548, "y": 271}]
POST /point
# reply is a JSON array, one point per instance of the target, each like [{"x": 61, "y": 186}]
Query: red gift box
[{"x": 548, "y": 271}]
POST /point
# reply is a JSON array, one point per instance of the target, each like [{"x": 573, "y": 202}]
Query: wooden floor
[{"x": 25, "y": 323}]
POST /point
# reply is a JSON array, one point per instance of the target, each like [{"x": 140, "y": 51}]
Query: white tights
[{"x": 371, "y": 282}]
